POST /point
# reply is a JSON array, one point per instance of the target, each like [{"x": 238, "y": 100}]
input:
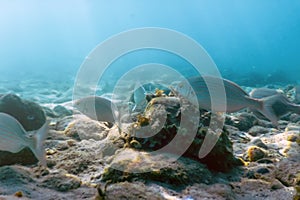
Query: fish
[
  {"x": 98, "y": 108},
  {"x": 142, "y": 94},
  {"x": 280, "y": 104},
  {"x": 13, "y": 137},
  {"x": 138, "y": 100},
  {"x": 236, "y": 98},
  {"x": 260, "y": 93}
]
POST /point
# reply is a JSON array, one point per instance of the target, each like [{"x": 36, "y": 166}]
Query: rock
[
  {"x": 62, "y": 111},
  {"x": 297, "y": 194},
  {"x": 164, "y": 120},
  {"x": 258, "y": 189},
  {"x": 292, "y": 127},
  {"x": 24, "y": 157},
  {"x": 243, "y": 121},
  {"x": 294, "y": 118},
  {"x": 58, "y": 111},
  {"x": 83, "y": 128},
  {"x": 276, "y": 184},
  {"x": 214, "y": 191},
  {"x": 129, "y": 164},
  {"x": 257, "y": 130},
  {"x": 28, "y": 113},
  {"x": 85, "y": 156},
  {"x": 49, "y": 112},
  {"x": 255, "y": 153},
  {"x": 61, "y": 182},
  {"x": 63, "y": 123},
  {"x": 29, "y": 182},
  {"x": 288, "y": 172},
  {"x": 136, "y": 190},
  {"x": 258, "y": 142},
  {"x": 293, "y": 137},
  {"x": 11, "y": 176}
]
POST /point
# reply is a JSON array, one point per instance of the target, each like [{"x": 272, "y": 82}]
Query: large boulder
[
  {"x": 160, "y": 124},
  {"x": 28, "y": 113}
]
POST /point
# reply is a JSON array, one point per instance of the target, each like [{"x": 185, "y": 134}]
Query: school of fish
[{"x": 270, "y": 103}]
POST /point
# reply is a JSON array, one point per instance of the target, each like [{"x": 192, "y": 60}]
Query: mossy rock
[{"x": 165, "y": 120}]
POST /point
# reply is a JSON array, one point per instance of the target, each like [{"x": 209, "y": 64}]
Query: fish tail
[
  {"x": 38, "y": 148},
  {"x": 267, "y": 110}
]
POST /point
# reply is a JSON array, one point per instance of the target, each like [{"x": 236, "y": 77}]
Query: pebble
[
  {"x": 258, "y": 130},
  {"x": 255, "y": 153},
  {"x": 292, "y": 127},
  {"x": 258, "y": 142}
]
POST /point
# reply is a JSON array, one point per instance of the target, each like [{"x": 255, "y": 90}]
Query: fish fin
[
  {"x": 11, "y": 146},
  {"x": 267, "y": 110},
  {"x": 40, "y": 137},
  {"x": 10, "y": 131}
]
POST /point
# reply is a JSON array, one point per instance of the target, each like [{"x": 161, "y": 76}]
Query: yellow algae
[
  {"x": 135, "y": 144},
  {"x": 51, "y": 151},
  {"x": 292, "y": 138},
  {"x": 19, "y": 194},
  {"x": 159, "y": 93},
  {"x": 142, "y": 121},
  {"x": 255, "y": 153}
]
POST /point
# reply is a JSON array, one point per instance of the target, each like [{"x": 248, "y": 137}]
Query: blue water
[{"x": 51, "y": 38}]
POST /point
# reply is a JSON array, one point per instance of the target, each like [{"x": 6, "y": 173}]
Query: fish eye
[
  {"x": 30, "y": 117},
  {"x": 30, "y": 135}
]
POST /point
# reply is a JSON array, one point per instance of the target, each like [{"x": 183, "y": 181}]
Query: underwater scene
[{"x": 135, "y": 99}]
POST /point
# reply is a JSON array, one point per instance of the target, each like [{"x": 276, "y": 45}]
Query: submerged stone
[
  {"x": 129, "y": 164},
  {"x": 165, "y": 124},
  {"x": 28, "y": 113}
]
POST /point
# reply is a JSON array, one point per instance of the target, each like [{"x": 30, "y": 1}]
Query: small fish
[
  {"x": 236, "y": 97},
  {"x": 98, "y": 108},
  {"x": 138, "y": 99},
  {"x": 14, "y": 138}
]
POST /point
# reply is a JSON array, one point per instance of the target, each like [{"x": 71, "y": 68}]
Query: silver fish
[
  {"x": 138, "y": 99},
  {"x": 98, "y": 108},
  {"x": 236, "y": 97},
  {"x": 14, "y": 138}
]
